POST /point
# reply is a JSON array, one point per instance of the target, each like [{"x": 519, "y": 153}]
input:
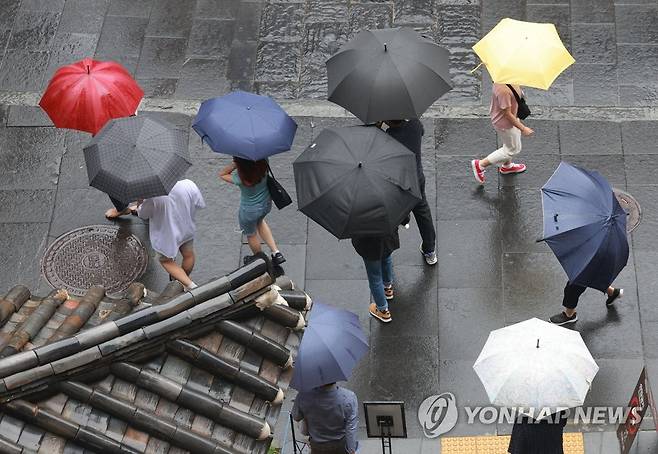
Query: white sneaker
[{"x": 430, "y": 257}]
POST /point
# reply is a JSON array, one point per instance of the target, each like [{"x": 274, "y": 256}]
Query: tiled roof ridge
[
  {"x": 197, "y": 356},
  {"x": 234, "y": 287}
]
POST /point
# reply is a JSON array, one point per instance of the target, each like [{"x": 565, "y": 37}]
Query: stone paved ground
[
  {"x": 193, "y": 49},
  {"x": 491, "y": 272}
]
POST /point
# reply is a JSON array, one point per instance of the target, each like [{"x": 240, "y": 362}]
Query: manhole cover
[
  {"x": 630, "y": 205},
  {"x": 94, "y": 255}
]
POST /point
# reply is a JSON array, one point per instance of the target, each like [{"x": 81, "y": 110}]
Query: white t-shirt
[{"x": 171, "y": 217}]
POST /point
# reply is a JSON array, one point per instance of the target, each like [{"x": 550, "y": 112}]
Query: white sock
[
  {"x": 275, "y": 252},
  {"x": 191, "y": 286}
]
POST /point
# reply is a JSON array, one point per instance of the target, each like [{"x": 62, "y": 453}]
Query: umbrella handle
[{"x": 476, "y": 68}]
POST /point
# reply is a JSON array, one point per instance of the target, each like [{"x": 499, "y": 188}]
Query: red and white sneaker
[
  {"x": 478, "y": 172},
  {"x": 512, "y": 168}
]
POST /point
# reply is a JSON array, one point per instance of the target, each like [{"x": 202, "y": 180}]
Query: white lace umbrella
[{"x": 535, "y": 364}]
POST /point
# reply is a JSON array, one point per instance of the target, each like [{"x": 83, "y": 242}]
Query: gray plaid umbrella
[
  {"x": 136, "y": 158},
  {"x": 388, "y": 74}
]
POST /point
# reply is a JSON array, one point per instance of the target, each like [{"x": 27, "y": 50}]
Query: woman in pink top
[{"x": 509, "y": 128}]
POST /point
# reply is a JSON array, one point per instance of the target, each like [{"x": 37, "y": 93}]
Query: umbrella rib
[{"x": 353, "y": 202}]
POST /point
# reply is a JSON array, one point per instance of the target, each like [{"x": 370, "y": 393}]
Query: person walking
[
  {"x": 376, "y": 253},
  {"x": 331, "y": 414},
  {"x": 255, "y": 203},
  {"x": 508, "y": 126},
  {"x": 410, "y": 134},
  {"x": 538, "y": 437},
  {"x": 572, "y": 293},
  {"x": 172, "y": 228}
]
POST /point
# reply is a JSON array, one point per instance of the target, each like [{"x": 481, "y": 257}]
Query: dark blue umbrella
[
  {"x": 332, "y": 345},
  {"x": 245, "y": 125},
  {"x": 585, "y": 226}
]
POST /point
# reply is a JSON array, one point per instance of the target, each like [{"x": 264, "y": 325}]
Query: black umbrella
[
  {"x": 388, "y": 74},
  {"x": 136, "y": 158},
  {"x": 356, "y": 181}
]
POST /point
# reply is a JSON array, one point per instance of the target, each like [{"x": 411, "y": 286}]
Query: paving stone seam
[{"x": 320, "y": 108}]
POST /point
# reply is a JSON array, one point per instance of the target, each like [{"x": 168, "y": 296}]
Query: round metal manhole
[
  {"x": 630, "y": 205},
  {"x": 94, "y": 255}
]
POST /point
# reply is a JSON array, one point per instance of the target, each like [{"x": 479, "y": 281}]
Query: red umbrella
[{"x": 87, "y": 94}]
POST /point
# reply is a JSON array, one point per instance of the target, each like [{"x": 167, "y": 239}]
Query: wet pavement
[
  {"x": 491, "y": 272},
  {"x": 194, "y": 49}
]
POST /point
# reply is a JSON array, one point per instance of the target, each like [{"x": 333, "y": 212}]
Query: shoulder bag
[
  {"x": 523, "y": 111},
  {"x": 278, "y": 193}
]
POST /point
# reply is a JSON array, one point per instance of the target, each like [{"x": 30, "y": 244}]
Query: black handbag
[
  {"x": 278, "y": 193},
  {"x": 523, "y": 111}
]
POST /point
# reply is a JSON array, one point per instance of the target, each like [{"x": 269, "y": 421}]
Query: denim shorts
[{"x": 250, "y": 216}]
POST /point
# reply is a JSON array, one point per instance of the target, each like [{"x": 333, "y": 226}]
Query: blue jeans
[{"x": 380, "y": 274}]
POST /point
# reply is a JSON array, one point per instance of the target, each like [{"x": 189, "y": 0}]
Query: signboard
[{"x": 640, "y": 401}]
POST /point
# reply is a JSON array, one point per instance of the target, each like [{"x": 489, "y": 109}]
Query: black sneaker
[
  {"x": 616, "y": 294},
  {"x": 563, "y": 319},
  {"x": 248, "y": 259},
  {"x": 278, "y": 258}
]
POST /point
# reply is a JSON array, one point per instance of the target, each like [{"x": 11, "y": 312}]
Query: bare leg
[
  {"x": 484, "y": 163},
  {"x": 175, "y": 271},
  {"x": 569, "y": 312},
  {"x": 254, "y": 243},
  {"x": 188, "y": 260},
  {"x": 266, "y": 234},
  {"x": 610, "y": 291}
]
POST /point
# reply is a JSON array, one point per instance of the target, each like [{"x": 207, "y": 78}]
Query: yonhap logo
[{"x": 438, "y": 414}]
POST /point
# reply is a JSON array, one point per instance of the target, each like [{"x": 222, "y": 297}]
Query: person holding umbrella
[
  {"x": 255, "y": 203},
  {"x": 172, "y": 228},
  {"x": 516, "y": 53},
  {"x": 503, "y": 114},
  {"x": 585, "y": 227},
  {"x": 360, "y": 183},
  {"x": 332, "y": 345}
]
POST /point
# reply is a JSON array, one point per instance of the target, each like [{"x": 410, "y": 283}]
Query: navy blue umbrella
[
  {"x": 585, "y": 226},
  {"x": 246, "y": 125},
  {"x": 332, "y": 345}
]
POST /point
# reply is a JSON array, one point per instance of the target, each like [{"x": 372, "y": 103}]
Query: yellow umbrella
[{"x": 523, "y": 53}]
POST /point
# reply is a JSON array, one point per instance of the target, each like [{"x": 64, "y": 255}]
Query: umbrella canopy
[
  {"x": 536, "y": 364},
  {"x": 246, "y": 125},
  {"x": 388, "y": 74},
  {"x": 136, "y": 158},
  {"x": 523, "y": 53},
  {"x": 356, "y": 181},
  {"x": 585, "y": 226},
  {"x": 87, "y": 94},
  {"x": 332, "y": 345}
]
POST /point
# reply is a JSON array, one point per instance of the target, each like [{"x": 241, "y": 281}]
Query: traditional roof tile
[{"x": 203, "y": 371}]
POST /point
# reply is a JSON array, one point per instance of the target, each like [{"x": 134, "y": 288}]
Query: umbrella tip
[
  {"x": 537, "y": 343},
  {"x": 87, "y": 69},
  {"x": 385, "y": 48},
  {"x": 360, "y": 165}
]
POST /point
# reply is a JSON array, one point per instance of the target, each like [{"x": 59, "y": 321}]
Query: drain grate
[
  {"x": 631, "y": 206},
  {"x": 94, "y": 255}
]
